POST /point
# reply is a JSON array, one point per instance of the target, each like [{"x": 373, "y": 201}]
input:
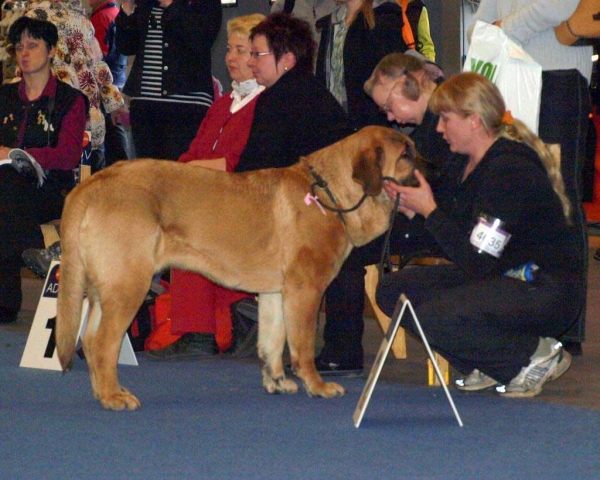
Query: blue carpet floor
[{"x": 213, "y": 420}]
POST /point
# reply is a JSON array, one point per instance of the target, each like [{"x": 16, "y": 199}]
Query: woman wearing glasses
[
  {"x": 401, "y": 86},
  {"x": 296, "y": 115},
  {"x": 200, "y": 309}
]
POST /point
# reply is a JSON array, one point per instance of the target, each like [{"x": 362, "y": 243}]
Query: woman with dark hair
[
  {"x": 295, "y": 115},
  {"x": 78, "y": 62},
  {"x": 46, "y": 118},
  {"x": 502, "y": 218},
  {"x": 354, "y": 38}
]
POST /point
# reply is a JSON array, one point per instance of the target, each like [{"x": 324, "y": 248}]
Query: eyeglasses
[
  {"x": 255, "y": 55},
  {"x": 386, "y": 107}
]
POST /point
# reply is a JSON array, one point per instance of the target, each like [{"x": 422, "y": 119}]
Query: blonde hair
[
  {"x": 395, "y": 65},
  {"x": 242, "y": 25},
  {"x": 468, "y": 93}
]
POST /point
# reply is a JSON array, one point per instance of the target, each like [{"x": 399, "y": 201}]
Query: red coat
[
  {"x": 198, "y": 305},
  {"x": 221, "y": 133}
]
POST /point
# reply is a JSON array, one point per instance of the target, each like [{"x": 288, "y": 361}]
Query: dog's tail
[{"x": 71, "y": 283}]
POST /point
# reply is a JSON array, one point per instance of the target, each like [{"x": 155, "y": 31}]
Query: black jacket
[
  {"x": 511, "y": 184},
  {"x": 294, "y": 117},
  {"x": 190, "y": 28},
  {"x": 363, "y": 49}
]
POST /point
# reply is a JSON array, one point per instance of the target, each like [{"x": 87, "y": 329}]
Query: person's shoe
[
  {"x": 190, "y": 346},
  {"x": 8, "y": 315},
  {"x": 548, "y": 363},
  {"x": 475, "y": 381},
  {"x": 38, "y": 260},
  {"x": 332, "y": 369}
]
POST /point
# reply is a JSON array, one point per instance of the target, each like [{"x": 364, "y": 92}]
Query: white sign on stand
[
  {"x": 384, "y": 350},
  {"x": 40, "y": 349}
]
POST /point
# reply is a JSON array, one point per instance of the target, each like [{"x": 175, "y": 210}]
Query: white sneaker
[
  {"x": 549, "y": 362},
  {"x": 475, "y": 382}
]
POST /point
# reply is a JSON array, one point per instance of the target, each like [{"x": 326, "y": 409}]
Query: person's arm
[
  {"x": 486, "y": 12},
  {"x": 100, "y": 23},
  {"x": 538, "y": 16},
  {"x": 426, "y": 46},
  {"x": 67, "y": 153},
  {"x": 128, "y": 33}
]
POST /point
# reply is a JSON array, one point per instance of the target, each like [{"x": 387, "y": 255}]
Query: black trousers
[
  {"x": 115, "y": 142},
  {"x": 23, "y": 207},
  {"x": 491, "y": 324},
  {"x": 164, "y": 129},
  {"x": 345, "y": 296},
  {"x": 564, "y": 119}
]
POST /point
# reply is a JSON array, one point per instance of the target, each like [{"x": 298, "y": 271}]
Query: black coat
[
  {"x": 294, "y": 117},
  {"x": 189, "y": 31},
  {"x": 363, "y": 49}
]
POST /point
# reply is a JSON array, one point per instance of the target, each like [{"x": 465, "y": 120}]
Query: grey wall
[{"x": 445, "y": 17}]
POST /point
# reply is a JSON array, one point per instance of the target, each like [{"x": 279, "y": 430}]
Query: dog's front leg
[
  {"x": 300, "y": 313},
  {"x": 271, "y": 342}
]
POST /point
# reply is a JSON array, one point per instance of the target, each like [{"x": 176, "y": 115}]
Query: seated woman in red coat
[{"x": 200, "y": 310}]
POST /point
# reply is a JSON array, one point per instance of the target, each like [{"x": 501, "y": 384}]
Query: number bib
[{"x": 489, "y": 237}]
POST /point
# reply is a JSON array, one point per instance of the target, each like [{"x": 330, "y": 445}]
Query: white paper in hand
[{"x": 25, "y": 164}]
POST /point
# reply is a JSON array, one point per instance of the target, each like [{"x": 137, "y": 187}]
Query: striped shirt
[{"x": 152, "y": 71}]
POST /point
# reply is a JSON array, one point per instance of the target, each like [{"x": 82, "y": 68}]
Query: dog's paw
[
  {"x": 279, "y": 384},
  {"x": 124, "y": 400},
  {"x": 325, "y": 390}
]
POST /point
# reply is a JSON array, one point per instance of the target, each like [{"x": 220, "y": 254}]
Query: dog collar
[{"x": 321, "y": 183}]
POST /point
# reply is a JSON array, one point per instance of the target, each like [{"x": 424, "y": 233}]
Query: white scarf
[{"x": 243, "y": 93}]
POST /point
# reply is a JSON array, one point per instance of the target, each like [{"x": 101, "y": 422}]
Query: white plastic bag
[{"x": 518, "y": 76}]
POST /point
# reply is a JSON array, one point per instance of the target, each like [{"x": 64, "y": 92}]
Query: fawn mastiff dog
[{"x": 260, "y": 231}]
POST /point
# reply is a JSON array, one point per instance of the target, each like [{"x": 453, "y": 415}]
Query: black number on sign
[{"x": 51, "y": 324}]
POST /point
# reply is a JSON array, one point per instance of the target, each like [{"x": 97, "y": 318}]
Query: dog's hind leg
[
  {"x": 95, "y": 314},
  {"x": 300, "y": 313},
  {"x": 271, "y": 342},
  {"x": 104, "y": 344}
]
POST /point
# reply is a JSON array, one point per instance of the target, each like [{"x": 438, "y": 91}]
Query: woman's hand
[
  {"x": 413, "y": 199},
  {"x": 4, "y": 152}
]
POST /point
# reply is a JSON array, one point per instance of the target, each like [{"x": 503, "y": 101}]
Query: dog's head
[{"x": 387, "y": 153}]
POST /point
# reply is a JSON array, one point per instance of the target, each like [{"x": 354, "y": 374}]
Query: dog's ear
[
  {"x": 367, "y": 170},
  {"x": 410, "y": 150}
]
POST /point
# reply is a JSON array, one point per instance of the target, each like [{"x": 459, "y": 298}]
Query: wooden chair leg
[
  {"x": 50, "y": 234},
  {"x": 399, "y": 343},
  {"x": 432, "y": 379},
  {"x": 371, "y": 280}
]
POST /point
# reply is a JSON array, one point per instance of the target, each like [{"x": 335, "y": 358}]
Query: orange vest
[{"x": 407, "y": 34}]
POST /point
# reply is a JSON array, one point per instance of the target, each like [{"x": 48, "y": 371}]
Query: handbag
[
  {"x": 583, "y": 27},
  {"x": 518, "y": 76}
]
